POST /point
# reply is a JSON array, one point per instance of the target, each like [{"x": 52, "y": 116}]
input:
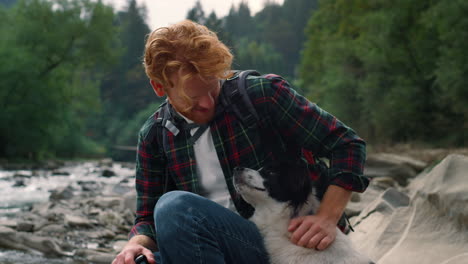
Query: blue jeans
[{"x": 193, "y": 229}]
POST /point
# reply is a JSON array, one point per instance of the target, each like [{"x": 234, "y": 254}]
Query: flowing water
[{"x": 20, "y": 189}]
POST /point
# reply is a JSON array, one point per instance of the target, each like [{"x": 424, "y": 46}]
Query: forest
[{"x": 72, "y": 84}]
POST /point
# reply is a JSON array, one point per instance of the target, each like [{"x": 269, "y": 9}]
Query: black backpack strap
[
  {"x": 236, "y": 99},
  {"x": 162, "y": 125}
]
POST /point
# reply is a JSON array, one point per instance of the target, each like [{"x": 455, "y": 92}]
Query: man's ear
[{"x": 158, "y": 88}]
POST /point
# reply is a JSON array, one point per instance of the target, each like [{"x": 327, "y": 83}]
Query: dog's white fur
[{"x": 272, "y": 219}]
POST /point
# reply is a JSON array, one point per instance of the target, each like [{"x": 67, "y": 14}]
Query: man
[{"x": 187, "y": 62}]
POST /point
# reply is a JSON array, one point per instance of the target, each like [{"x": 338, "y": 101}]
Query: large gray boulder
[
  {"x": 398, "y": 167},
  {"x": 12, "y": 239},
  {"x": 429, "y": 225}
]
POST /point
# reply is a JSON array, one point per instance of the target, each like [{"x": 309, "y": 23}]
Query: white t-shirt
[{"x": 210, "y": 173}]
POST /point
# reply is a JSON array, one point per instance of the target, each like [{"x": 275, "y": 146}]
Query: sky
[{"x": 166, "y": 12}]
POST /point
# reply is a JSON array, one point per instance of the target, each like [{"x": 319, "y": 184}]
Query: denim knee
[{"x": 172, "y": 211}]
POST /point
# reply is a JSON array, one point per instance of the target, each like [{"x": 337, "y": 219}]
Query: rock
[
  {"x": 52, "y": 211},
  {"x": 429, "y": 225},
  {"x": 388, "y": 159},
  {"x": 375, "y": 219},
  {"x": 8, "y": 223},
  {"x": 52, "y": 228},
  {"x": 19, "y": 183},
  {"x": 108, "y": 202},
  {"x": 384, "y": 182},
  {"x": 400, "y": 168},
  {"x": 130, "y": 200},
  {"x": 94, "y": 256},
  {"x": 361, "y": 200},
  {"x": 22, "y": 175},
  {"x": 355, "y": 197},
  {"x": 128, "y": 165},
  {"x": 122, "y": 188},
  {"x": 102, "y": 233},
  {"x": 111, "y": 219},
  {"x": 11, "y": 239},
  {"x": 94, "y": 211},
  {"x": 129, "y": 217},
  {"x": 105, "y": 162},
  {"x": 108, "y": 173},
  {"x": 384, "y": 204},
  {"x": 119, "y": 245},
  {"x": 89, "y": 186},
  {"x": 60, "y": 173},
  {"x": 42, "y": 209},
  {"x": 77, "y": 221},
  {"x": 63, "y": 193},
  {"x": 445, "y": 187},
  {"x": 106, "y": 233},
  {"x": 25, "y": 227}
]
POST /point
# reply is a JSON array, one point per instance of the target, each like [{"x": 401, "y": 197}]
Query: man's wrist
[
  {"x": 334, "y": 203},
  {"x": 144, "y": 241}
]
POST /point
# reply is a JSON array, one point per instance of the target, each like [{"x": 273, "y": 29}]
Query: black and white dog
[{"x": 278, "y": 194}]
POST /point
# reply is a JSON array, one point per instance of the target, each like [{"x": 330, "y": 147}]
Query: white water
[
  {"x": 39, "y": 183},
  {"x": 37, "y": 187}
]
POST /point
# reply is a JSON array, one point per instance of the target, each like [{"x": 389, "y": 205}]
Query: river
[{"x": 21, "y": 189}]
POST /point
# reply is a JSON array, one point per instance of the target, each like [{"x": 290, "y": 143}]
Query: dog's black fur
[{"x": 288, "y": 182}]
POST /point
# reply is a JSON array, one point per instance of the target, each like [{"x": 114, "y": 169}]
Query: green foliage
[
  {"x": 48, "y": 86},
  {"x": 71, "y": 72},
  {"x": 239, "y": 22},
  {"x": 396, "y": 71},
  {"x": 448, "y": 20},
  {"x": 276, "y": 32},
  {"x": 125, "y": 89},
  {"x": 127, "y": 131},
  {"x": 196, "y": 13},
  {"x": 259, "y": 56}
]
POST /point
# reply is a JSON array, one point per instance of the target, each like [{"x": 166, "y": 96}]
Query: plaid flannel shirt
[{"x": 294, "y": 118}]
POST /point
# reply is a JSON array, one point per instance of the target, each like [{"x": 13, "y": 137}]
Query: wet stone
[
  {"x": 60, "y": 173},
  {"x": 63, "y": 193},
  {"x": 25, "y": 227},
  {"x": 108, "y": 173},
  {"x": 19, "y": 183}
]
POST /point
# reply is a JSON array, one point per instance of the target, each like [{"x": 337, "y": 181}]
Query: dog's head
[{"x": 287, "y": 183}]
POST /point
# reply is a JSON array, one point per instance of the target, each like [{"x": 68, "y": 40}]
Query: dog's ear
[
  {"x": 288, "y": 182},
  {"x": 298, "y": 180}
]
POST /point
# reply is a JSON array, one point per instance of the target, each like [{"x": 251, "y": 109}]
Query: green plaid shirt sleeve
[
  {"x": 149, "y": 179},
  {"x": 303, "y": 123}
]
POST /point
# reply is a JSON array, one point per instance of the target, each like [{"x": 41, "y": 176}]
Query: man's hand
[
  {"x": 135, "y": 248},
  {"x": 319, "y": 231},
  {"x": 312, "y": 231}
]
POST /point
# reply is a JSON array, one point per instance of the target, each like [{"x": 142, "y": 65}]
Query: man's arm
[
  {"x": 149, "y": 179},
  {"x": 149, "y": 187},
  {"x": 303, "y": 123}
]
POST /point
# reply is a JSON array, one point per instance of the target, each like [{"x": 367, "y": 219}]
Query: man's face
[{"x": 203, "y": 94}]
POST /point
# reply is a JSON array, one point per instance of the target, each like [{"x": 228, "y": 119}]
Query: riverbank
[{"x": 81, "y": 212}]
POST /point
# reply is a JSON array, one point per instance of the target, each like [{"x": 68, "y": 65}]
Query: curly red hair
[{"x": 185, "y": 47}]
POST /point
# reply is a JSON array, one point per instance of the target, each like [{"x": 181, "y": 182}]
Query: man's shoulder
[
  {"x": 263, "y": 85},
  {"x": 148, "y": 129}
]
